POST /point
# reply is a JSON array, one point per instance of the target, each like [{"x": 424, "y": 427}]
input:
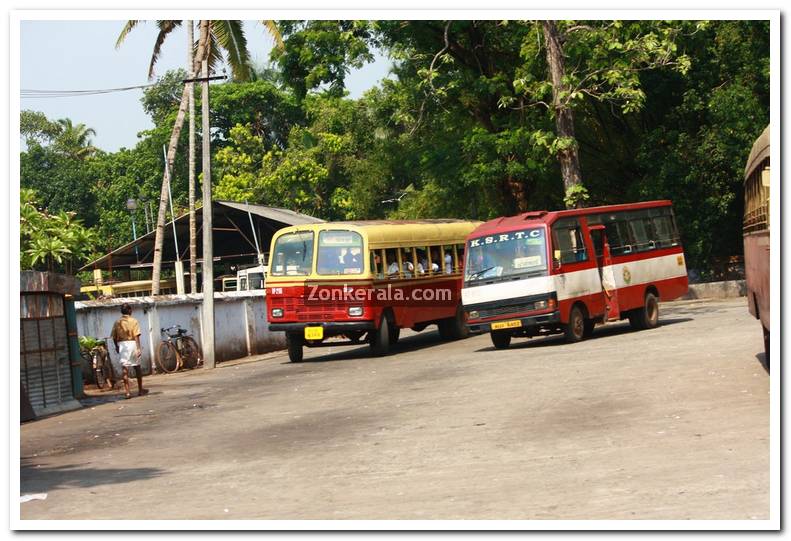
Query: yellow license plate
[
  {"x": 314, "y": 333},
  {"x": 507, "y": 324}
]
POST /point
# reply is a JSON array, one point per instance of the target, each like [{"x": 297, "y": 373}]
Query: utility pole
[
  {"x": 193, "y": 226},
  {"x": 208, "y": 251}
]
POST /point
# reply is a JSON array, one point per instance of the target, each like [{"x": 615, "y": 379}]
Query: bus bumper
[
  {"x": 330, "y": 327},
  {"x": 552, "y": 318}
]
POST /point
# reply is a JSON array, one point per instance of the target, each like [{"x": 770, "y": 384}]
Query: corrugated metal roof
[{"x": 273, "y": 213}]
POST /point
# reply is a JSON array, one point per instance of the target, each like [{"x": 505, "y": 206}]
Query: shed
[{"x": 50, "y": 380}]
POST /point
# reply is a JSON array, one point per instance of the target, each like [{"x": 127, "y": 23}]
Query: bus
[
  {"x": 566, "y": 271},
  {"x": 336, "y": 283},
  {"x": 755, "y": 231}
]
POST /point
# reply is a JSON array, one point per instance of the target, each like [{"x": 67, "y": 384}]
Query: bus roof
[
  {"x": 758, "y": 154},
  {"x": 396, "y": 233},
  {"x": 533, "y": 218}
]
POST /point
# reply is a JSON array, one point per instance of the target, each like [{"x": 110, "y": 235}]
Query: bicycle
[
  {"x": 96, "y": 355},
  {"x": 177, "y": 350}
]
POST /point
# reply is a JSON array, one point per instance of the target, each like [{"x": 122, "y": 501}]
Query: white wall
[{"x": 240, "y": 327}]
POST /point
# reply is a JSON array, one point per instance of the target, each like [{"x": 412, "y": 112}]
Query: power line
[{"x": 33, "y": 93}]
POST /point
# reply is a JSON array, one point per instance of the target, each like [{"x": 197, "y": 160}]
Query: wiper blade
[{"x": 477, "y": 273}]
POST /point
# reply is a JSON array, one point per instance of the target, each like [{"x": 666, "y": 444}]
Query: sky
[{"x": 81, "y": 55}]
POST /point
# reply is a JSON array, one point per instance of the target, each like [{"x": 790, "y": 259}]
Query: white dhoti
[{"x": 127, "y": 354}]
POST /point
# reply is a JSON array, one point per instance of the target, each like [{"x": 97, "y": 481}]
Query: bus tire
[
  {"x": 380, "y": 338},
  {"x": 454, "y": 328},
  {"x": 501, "y": 339},
  {"x": 646, "y": 317},
  {"x": 574, "y": 330},
  {"x": 395, "y": 334},
  {"x": 766, "y": 347},
  {"x": 589, "y": 326},
  {"x": 294, "y": 342}
]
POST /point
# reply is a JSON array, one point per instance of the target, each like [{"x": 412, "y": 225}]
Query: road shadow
[
  {"x": 415, "y": 342},
  {"x": 763, "y": 360},
  {"x": 36, "y": 478},
  {"x": 611, "y": 329}
]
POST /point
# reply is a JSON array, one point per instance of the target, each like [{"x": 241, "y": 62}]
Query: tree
[
  {"x": 74, "y": 140},
  {"x": 51, "y": 242},
  {"x": 217, "y": 40}
]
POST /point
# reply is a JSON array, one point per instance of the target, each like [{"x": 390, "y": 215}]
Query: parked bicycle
[
  {"x": 177, "y": 350},
  {"x": 97, "y": 361}
]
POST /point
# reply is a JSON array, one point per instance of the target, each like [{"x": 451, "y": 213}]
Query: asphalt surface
[{"x": 671, "y": 423}]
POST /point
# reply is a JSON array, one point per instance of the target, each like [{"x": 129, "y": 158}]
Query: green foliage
[
  {"x": 576, "y": 196},
  {"x": 52, "y": 242},
  {"x": 663, "y": 109}
]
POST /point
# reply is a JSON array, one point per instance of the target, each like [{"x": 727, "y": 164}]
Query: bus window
[
  {"x": 376, "y": 264},
  {"x": 256, "y": 280},
  {"x": 293, "y": 254},
  {"x": 458, "y": 257},
  {"x": 643, "y": 230},
  {"x": 567, "y": 238},
  {"x": 243, "y": 284},
  {"x": 392, "y": 262},
  {"x": 340, "y": 252}
]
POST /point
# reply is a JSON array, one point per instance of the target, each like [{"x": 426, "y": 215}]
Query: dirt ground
[{"x": 671, "y": 423}]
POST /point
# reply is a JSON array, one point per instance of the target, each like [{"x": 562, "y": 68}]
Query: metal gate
[{"x": 45, "y": 366}]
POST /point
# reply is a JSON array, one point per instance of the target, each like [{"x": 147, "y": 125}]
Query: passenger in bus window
[
  {"x": 448, "y": 262},
  {"x": 409, "y": 267},
  {"x": 435, "y": 260},
  {"x": 392, "y": 268}
]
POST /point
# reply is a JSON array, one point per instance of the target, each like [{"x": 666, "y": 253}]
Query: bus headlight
[
  {"x": 277, "y": 312},
  {"x": 473, "y": 314},
  {"x": 540, "y": 305},
  {"x": 355, "y": 311}
]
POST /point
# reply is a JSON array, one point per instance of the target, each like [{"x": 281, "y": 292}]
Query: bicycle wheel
[
  {"x": 190, "y": 352},
  {"x": 86, "y": 364},
  {"x": 106, "y": 368},
  {"x": 167, "y": 357}
]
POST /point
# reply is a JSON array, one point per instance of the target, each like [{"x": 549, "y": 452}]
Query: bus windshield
[
  {"x": 340, "y": 252},
  {"x": 293, "y": 254},
  {"x": 507, "y": 254}
]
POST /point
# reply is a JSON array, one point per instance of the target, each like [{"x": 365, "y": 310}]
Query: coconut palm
[
  {"x": 218, "y": 41},
  {"x": 74, "y": 140}
]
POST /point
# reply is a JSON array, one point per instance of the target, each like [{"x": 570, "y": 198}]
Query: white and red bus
[
  {"x": 337, "y": 283},
  {"x": 549, "y": 272}
]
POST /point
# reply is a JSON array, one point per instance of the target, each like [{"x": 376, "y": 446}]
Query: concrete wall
[
  {"x": 717, "y": 290},
  {"x": 239, "y": 321}
]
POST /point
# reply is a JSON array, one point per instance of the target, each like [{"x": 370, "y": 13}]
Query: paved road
[{"x": 671, "y": 423}]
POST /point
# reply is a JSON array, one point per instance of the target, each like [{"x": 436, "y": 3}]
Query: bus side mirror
[{"x": 556, "y": 260}]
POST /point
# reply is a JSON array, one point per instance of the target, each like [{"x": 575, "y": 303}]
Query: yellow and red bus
[
  {"x": 755, "y": 229},
  {"x": 337, "y": 283},
  {"x": 551, "y": 272}
]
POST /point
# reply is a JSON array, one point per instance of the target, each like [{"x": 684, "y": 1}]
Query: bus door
[{"x": 606, "y": 273}]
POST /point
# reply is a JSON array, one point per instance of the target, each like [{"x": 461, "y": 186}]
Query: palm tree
[
  {"x": 217, "y": 41},
  {"x": 74, "y": 140}
]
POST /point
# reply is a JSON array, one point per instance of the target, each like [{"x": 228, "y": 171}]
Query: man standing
[{"x": 126, "y": 337}]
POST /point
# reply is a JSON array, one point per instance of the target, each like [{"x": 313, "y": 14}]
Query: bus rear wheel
[
  {"x": 454, "y": 328},
  {"x": 575, "y": 329},
  {"x": 501, "y": 339},
  {"x": 646, "y": 317},
  {"x": 294, "y": 342},
  {"x": 380, "y": 338}
]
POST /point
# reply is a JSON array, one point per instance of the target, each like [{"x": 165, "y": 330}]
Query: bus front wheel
[
  {"x": 294, "y": 341},
  {"x": 575, "y": 329},
  {"x": 380, "y": 338},
  {"x": 454, "y": 328},
  {"x": 501, "y": 339}
]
